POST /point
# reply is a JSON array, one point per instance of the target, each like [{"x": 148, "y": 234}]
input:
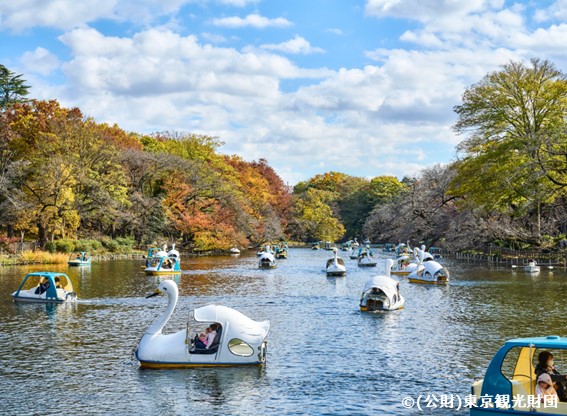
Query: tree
[
  {"x": 313, "y": 218},
  {"x": 12, "y": 88},
  {"x": 506, "y": 116}
]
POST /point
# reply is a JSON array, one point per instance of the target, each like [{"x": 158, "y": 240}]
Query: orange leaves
[{"x": 205, "y": 219}]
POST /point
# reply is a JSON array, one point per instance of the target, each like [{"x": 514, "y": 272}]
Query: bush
[
  {"x": 126, "y": 242},
  {"x": 65, "y": 246},
  {"x": 95, "y": 245},
  {"x": 82, "y": 245},
  {"x": 111, "y": 245},
  {"x": 50, "y": 246}
]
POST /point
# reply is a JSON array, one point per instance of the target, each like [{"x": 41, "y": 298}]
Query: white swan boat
[
  {"x": 531, "y": 267},
  {"x": 45, "y": 287},
  {"x": 234, "y": 250},
  {"x": 335, "y": 265},
  {"x": 382, "y": 293},
  {"x": 365, "y": 258},
  {"x": 239, "y": 339},
  {"x": 267, "y": 259},
  {"x": 165, "y": 265},
  {"x": 429, "y": 272},
  {"x": 174, "y": 254},
  {"x": 403, "y": 266}
]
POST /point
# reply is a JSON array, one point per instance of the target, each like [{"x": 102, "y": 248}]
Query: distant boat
[
  {"x": 234, "y": 250},
  {"x": 429, "y": 272},
  {"x": 382, "y": 293},
  {"x": 163, "y": 265},
  {"x": 403, "y": 266},
  {"x": 335, "y": 265},
  {"x": 365, "y": 258},
  {"x": 281, "y": 252},
  {"x": 267, "y": 259},
  {"x": 531, "y": 267},
  {"x": 79, "y": 258},
  {"x": 354, "y": 253}
]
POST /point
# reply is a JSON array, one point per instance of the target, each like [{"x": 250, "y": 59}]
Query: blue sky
[{"x": 364, "y": 87}]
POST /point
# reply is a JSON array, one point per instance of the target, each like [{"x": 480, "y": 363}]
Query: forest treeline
[{"x": 65, "y": 176}]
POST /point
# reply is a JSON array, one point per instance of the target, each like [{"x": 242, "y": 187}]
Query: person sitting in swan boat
[{"x": 201, "y": 340}]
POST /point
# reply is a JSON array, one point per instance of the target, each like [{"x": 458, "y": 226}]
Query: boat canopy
[
  {"x": 234, "y": 324},
  {"x": 388, "y": 285},
  {"x": 79, "y": 256}
]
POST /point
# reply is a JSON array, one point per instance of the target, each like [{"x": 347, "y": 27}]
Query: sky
[{"x": 363, "y": 87}]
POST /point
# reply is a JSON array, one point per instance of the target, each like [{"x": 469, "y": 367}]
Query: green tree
[
  {"x": 313, "y": 217},
  {"x": 506, "y": 117},
  {"x": 12, "y": 88}
]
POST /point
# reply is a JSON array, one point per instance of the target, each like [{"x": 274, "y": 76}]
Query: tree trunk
[
  {"x": 41, "y": 234},
  {"x": 538, "y": 229},
  {"x": 10, "y": 230}
]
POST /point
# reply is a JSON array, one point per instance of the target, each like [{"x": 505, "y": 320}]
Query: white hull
[
  {"x": 30, "y": 296},
  {"x": 171, "y": 351},
  {"x": 367, "y": 263},
  {"x": 332, "y": 271}
]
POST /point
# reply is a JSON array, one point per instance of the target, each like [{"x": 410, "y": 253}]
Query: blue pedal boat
[
  {"x": 508, "y": 387},
  {"x": 79, "y": 258},
  {"x": 45, "y": 287}
]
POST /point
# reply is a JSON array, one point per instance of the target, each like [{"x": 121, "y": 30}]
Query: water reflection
[{"x": 339, "y": 283}]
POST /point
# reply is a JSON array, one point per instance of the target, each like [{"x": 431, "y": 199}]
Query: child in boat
[
  {"x": 545, "y": 365},
  {"x": 544, "y": 388},
  {"x": 201, "y": 341}
]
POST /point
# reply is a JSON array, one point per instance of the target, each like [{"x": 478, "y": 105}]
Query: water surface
[{"x": 324, "y": 356}]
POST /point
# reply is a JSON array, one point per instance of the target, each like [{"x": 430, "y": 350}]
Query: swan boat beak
[{"x": 157, "y": 292}]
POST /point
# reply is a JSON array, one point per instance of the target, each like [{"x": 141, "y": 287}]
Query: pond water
[{"x": 324, "y": 355}]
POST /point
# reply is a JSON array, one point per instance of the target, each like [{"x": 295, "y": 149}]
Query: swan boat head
[{"x": 335, "y": 265}]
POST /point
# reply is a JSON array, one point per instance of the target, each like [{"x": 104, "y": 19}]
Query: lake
[{"x": 324, "y": 355}]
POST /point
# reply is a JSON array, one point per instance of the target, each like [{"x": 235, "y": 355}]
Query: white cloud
[
  {"x": 447, "y": 24},
  {"x": 252, "y": 20},
  {"x": 40, "y": 61},
  {"x": 157, "y": 80},
  {"x": 557, "y": 11},
  {"x": 238, "y": 3},
  {"x": 393, "y": 115},
  {"x": 21, "y": 15},
  {"x": 213, "y": 38},
  {"x": 297, "y": 45},
  {"x": 427, "y": 10},
  {"x": 335, "y": 31}
]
